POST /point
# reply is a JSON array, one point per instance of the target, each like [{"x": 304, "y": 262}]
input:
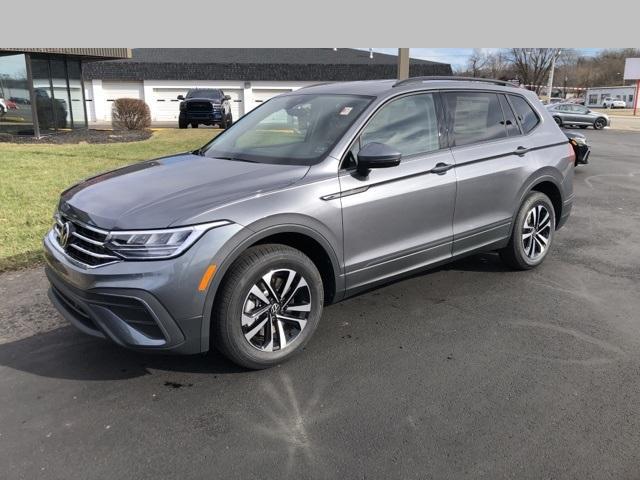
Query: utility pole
[
  {"x": 553, "y": 67},
  {"x": 403, "y": 63}
]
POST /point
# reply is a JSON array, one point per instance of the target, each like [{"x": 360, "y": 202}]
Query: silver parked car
[
  {"x": 312, "y": 197},
  {"x": 566, "y": 114}
]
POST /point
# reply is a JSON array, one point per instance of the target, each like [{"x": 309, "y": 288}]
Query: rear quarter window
[{"x": 527, "y": 116}]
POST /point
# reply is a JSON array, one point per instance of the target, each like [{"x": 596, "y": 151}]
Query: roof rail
[
  {"x": 316, "y": 85},
  {"x": 452, "y": 78}
]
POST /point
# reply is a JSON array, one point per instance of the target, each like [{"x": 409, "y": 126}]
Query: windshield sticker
[{"x": 346, "y": 111}]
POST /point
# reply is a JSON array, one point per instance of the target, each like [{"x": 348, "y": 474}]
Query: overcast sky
[{"x": 457, "y": 57}]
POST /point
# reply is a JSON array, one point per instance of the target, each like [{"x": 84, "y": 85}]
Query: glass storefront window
[
  {"x": 60, "y": 93},
  {"x": 15, "y": 104},
  {"x": 57, "y": 96},
  {"x": 43, "y": 96},
  {"x": 75, "y": 93}
]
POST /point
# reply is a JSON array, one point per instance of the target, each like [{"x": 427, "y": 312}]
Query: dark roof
[{"x": 303, "y": 64}]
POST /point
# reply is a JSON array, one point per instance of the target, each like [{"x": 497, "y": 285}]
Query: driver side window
[{"x": 409, "y": 125}]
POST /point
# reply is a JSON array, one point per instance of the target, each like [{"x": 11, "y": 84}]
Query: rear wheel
[
  {"x": 268, "y": 306},
  {"x": 600, "y": 123},
  {"x": 558, "y": 121},
  {"x": 532, "y": 233}
]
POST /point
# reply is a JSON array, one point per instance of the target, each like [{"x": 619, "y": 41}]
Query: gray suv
[{"x": 314, "y": 196}]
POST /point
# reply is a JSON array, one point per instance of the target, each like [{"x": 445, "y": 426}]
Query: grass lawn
[{"x": 32, "y": 177}]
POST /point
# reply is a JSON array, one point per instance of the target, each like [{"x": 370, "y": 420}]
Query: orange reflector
[{"x": 206, "y": 278}]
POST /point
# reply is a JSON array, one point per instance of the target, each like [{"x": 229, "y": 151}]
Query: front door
[{"x": 400, "y": 218}]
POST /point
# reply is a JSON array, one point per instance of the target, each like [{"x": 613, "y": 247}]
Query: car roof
[{"x": 384, "y": 88}]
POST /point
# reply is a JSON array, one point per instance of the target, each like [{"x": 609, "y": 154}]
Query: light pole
[
  {"x": 403, "y": 63},
  {"x": 553, "y": 67}
]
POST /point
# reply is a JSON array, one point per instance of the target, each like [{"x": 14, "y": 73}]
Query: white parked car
[{"x": 613, "y": 103}]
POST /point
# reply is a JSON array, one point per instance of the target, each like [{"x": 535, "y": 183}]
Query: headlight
[
  {"x": 579, "y": 140},
  {"x": 157, "y": 244}
]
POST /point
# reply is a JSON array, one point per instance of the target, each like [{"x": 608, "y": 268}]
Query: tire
[
  {"x": 223, "y": 123},
  {"x": 229, "y": 121},
  {"x": 182, "y": 124},
  {"x": 254, "y": 342},
  {"x": 558, "y": 121},
  {"x": 194, "y": 125},
  {"x": 599, "y": 123},
  {"x": 519, "y": 254}
]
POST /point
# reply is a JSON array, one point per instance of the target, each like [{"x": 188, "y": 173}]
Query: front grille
[
  {"x": 84, "y": 244},
  {"x": 199, "y": 107}
]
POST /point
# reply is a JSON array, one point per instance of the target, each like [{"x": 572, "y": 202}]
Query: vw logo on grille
[{"x": 65, "y": 234}]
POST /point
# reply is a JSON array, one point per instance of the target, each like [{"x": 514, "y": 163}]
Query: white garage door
[
  {"x": 237, "y": 109},
  {"x": 114, "y": 90},
  {"x": 165, "y": 106},
  {"x": 261, "y": 95}
]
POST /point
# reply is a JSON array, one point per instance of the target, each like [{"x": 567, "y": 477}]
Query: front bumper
[
  {"x": 201, "y": 116},
  {"x": 144, "y": 305}
]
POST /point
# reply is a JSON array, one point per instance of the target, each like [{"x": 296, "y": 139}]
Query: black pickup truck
[{"x": 207, "y": 106}]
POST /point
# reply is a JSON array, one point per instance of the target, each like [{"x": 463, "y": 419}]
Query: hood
[
  {"x": 203, "y": 99},
  {"x": 168, "y": 191}
]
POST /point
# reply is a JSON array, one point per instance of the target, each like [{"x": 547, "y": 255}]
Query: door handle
[
  {"x": 441, "y": 168},
  {"x": 520, "y": 151}
]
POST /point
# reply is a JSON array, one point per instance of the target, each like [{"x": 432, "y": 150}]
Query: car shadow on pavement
[{"x": 68, "y": 354}]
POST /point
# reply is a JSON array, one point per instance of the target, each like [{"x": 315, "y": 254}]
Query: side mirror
[
  {"x": 377, "y": 155},
  {"x": 227, "y": 97},
  {"x": 180, "y": 97}
]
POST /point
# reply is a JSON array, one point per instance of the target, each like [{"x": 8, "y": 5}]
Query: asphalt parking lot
[{"x": 469, "y": 371}]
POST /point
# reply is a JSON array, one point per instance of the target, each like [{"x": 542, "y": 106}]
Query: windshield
[
  {"x": 291, "y": 129},
  {"x": 204, "y": 94}
]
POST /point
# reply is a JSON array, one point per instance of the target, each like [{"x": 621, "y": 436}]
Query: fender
[
  {"x": 248, "y": 236},
  {"x": 547, "y": 174}
]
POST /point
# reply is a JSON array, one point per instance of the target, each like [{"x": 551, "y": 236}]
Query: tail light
[{"x": 572, "y": 152}]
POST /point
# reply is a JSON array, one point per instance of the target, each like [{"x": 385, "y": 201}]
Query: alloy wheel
[
  {"x": 276, "y": 310},
  {"x": 536, "y": 231}
]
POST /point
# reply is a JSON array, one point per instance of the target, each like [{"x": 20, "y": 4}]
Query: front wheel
[
  {"x": 194, "y": 124},
  {"x": 269, "y": 304},
  {"x": 600, "y": 123},
  {"x": 558, "y": 121},
  {"x": 532, "y": 233}
]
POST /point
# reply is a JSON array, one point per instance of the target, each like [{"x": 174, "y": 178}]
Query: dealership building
[
  {"x": 595, "y": 96},
  {"x": 248, "y": 76},
  {"x": 42, "y": 90}
]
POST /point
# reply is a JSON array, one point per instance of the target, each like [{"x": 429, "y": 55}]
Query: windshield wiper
[{"x": 234, "y": 159}]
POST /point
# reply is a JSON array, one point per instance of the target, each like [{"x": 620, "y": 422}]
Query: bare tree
[
  {"x": 476, "y": 62},
  {"x": 532, "y": 65}
]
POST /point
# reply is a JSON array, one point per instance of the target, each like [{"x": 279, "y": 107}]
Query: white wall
[{"x": 243, "y": 91}]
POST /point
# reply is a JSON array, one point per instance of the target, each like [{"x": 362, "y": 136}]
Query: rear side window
[
  {"x": 509, "y": 118},
  {"x": 475, "y": 117},
  {"x": 409, "y": 124},
  {"x": 526, "y": 115}
]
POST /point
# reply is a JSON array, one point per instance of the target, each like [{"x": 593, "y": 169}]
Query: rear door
[
  {"x": 399, "y": 218},
  {"x": 485, "y": 136},
  {"x": 580, "y": 115}
]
